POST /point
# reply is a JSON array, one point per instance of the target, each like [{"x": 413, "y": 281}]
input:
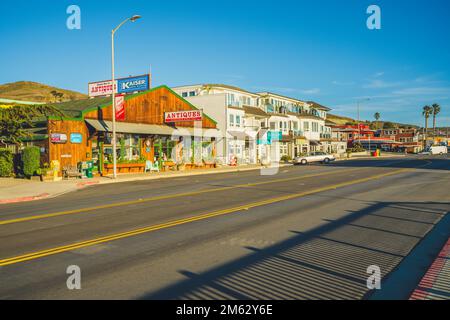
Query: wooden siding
[
  {"x": 69, "y": 153},
  {"x": 149, "y": 108}
]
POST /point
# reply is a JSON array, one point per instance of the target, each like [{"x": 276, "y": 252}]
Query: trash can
[{"x": 89, "y": 169}]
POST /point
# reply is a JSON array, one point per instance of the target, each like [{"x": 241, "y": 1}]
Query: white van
[{"x": 438, "y": 150}]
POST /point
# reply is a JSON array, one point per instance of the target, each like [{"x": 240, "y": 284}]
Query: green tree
[
  {"x": 427, "y": 111},
  {"x": 436, "y": 110},
  {"x": 6, "y": 163},
  {"x": 31, "y": 160},
  {"x": 15, "y": 121}
]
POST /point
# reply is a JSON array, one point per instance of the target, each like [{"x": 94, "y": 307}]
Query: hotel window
[
  {"x": 238, "y": 121},
  {"x": 231, "y": 120},
  {"x": 306, "y": 126},
  {"x": 230, "y": 99},
  {"x": 283, "y": 148},
  {"x": 294, "y": 125},
  {"x": 273, "y": 126},
  {"x": 184, "y": 94},
  {"x": 315, "y": 127},
  {"x": 192, "y": 94}
]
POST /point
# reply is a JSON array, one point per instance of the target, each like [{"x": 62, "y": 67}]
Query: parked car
[
  {"x": 316, "y": 156},
  {"x": 438, "y": 150}
]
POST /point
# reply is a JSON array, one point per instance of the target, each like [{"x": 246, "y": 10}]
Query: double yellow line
[
  {"x": 82, "y": 244},
  {"x": 164, "y": 197}
]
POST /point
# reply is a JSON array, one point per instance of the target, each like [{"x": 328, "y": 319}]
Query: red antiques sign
[
  {"x": 120, "y": 107},
  {"x": 176, "y": 116}
]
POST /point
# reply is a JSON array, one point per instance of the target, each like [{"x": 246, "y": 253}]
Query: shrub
[
  {"x": 285, "y": 158},
  {"x": 6, "y": 163},
  {"x": 31, "y": 160}
]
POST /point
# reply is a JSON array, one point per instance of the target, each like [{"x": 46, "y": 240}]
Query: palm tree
[
  {"x": 436, "y": 110},
  {"x": 427, "y": 111},
  {"x": 377, "y": 117}
]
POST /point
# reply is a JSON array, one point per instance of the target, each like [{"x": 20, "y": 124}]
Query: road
[{"x": 308, "y": 232}]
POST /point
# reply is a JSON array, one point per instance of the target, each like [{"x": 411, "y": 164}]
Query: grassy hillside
[
  {"x": 340, "y": 120},
  {"x": 36, "y": 92}
]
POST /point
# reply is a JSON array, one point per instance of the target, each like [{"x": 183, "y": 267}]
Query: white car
[
  {"x": 316, "y": 156},
  {"x": 438, "y": 150}
]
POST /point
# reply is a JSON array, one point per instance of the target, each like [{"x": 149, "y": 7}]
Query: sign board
[
  {"x": 58, "y": 138},
  {"x": 123, "y": 85},
  {"x": 76, "y": 138},
  {"x": 102, "y": 88},
  {"x": 127, "y": 85},
  {"x": 179, "y": 116},
  {"x": 120, "y": 107},
  {"x": 274, "y": 136}
]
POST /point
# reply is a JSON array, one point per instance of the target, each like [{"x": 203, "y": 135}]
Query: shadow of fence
[{"x": 328, "y": 262}]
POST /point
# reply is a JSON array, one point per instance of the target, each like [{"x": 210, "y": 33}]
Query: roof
[
  {"x": 255, "y": 111},
  {"x": 20, "y": 102},
  {"x": 76, "y": 108},
  {"x": 318, "y": 106},
  {"x": 220, "y": 85},
  {"x": 279, "y": 95}
]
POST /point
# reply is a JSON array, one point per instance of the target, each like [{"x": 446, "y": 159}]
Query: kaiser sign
[
  {"x": 124, "y": 85},
  {"x": 179, "y": 116}
]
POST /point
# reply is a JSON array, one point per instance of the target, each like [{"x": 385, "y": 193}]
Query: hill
[
  {"x": 340, "y": 120},
  {"x": 37, "y": 92}
]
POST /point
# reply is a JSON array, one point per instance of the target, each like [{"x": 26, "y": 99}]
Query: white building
[
  {"x": 226, "y": 104},
  {"x": 260, "y": 127},
  {"x": 302, "y": 124}
]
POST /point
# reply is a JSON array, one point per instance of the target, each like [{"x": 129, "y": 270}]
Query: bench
[{"x": 71, "y": 171}]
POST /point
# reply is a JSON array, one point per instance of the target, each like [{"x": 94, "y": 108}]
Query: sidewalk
[
  {"x": 435, "y": 285},
  {"x": 21, "y": 190}
]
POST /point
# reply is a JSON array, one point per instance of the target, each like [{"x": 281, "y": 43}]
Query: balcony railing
[
  {"x": 298, "y": 133},
  {"x": 325, "y": 136}
]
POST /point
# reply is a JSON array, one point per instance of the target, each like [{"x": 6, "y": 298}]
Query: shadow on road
[{"x": 328, "y": 262}]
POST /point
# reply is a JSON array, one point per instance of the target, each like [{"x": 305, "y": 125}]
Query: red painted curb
[
  {"x": 432, "y": 274},
  {"x": 24, "y": 199},
  {"x": 85, "y": 184}
]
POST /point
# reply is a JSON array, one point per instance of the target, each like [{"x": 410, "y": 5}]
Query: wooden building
[{"x": 143, "y": 135}]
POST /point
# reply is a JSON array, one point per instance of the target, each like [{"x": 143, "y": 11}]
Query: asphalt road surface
[{"x": 307, "y": 232}]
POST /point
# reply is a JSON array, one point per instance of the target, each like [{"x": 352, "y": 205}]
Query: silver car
[{"x": 317, "y": 156}]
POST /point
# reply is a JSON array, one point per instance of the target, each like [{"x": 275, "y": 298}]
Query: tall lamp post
[
  {"x": 358, "y": 102},
  {"x": 132, "y": 19}
]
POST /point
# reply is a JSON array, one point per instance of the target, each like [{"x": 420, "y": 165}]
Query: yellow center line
[
  {"x": 82, "y": 244},
  {"x": 165, "y": 197}
]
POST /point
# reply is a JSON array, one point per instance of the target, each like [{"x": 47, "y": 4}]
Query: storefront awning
[
  {"x": 138, "y": 128},
  {"x": 314, "y": 143}
]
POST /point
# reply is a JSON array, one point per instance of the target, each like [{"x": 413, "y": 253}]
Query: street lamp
[
  {"x": 132, "y": 19},
  {"x": 358, "y": 102}
]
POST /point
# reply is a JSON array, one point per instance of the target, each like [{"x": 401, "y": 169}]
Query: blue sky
[{"x": 313, "y": 50}]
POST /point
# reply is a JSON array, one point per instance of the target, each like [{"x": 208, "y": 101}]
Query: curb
[
  {"x": 187, "y": 174},
  {"x": 432, "y": 275},
  {"x": 85, "y": 184},
  {"x": 25, "y": 199}
]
